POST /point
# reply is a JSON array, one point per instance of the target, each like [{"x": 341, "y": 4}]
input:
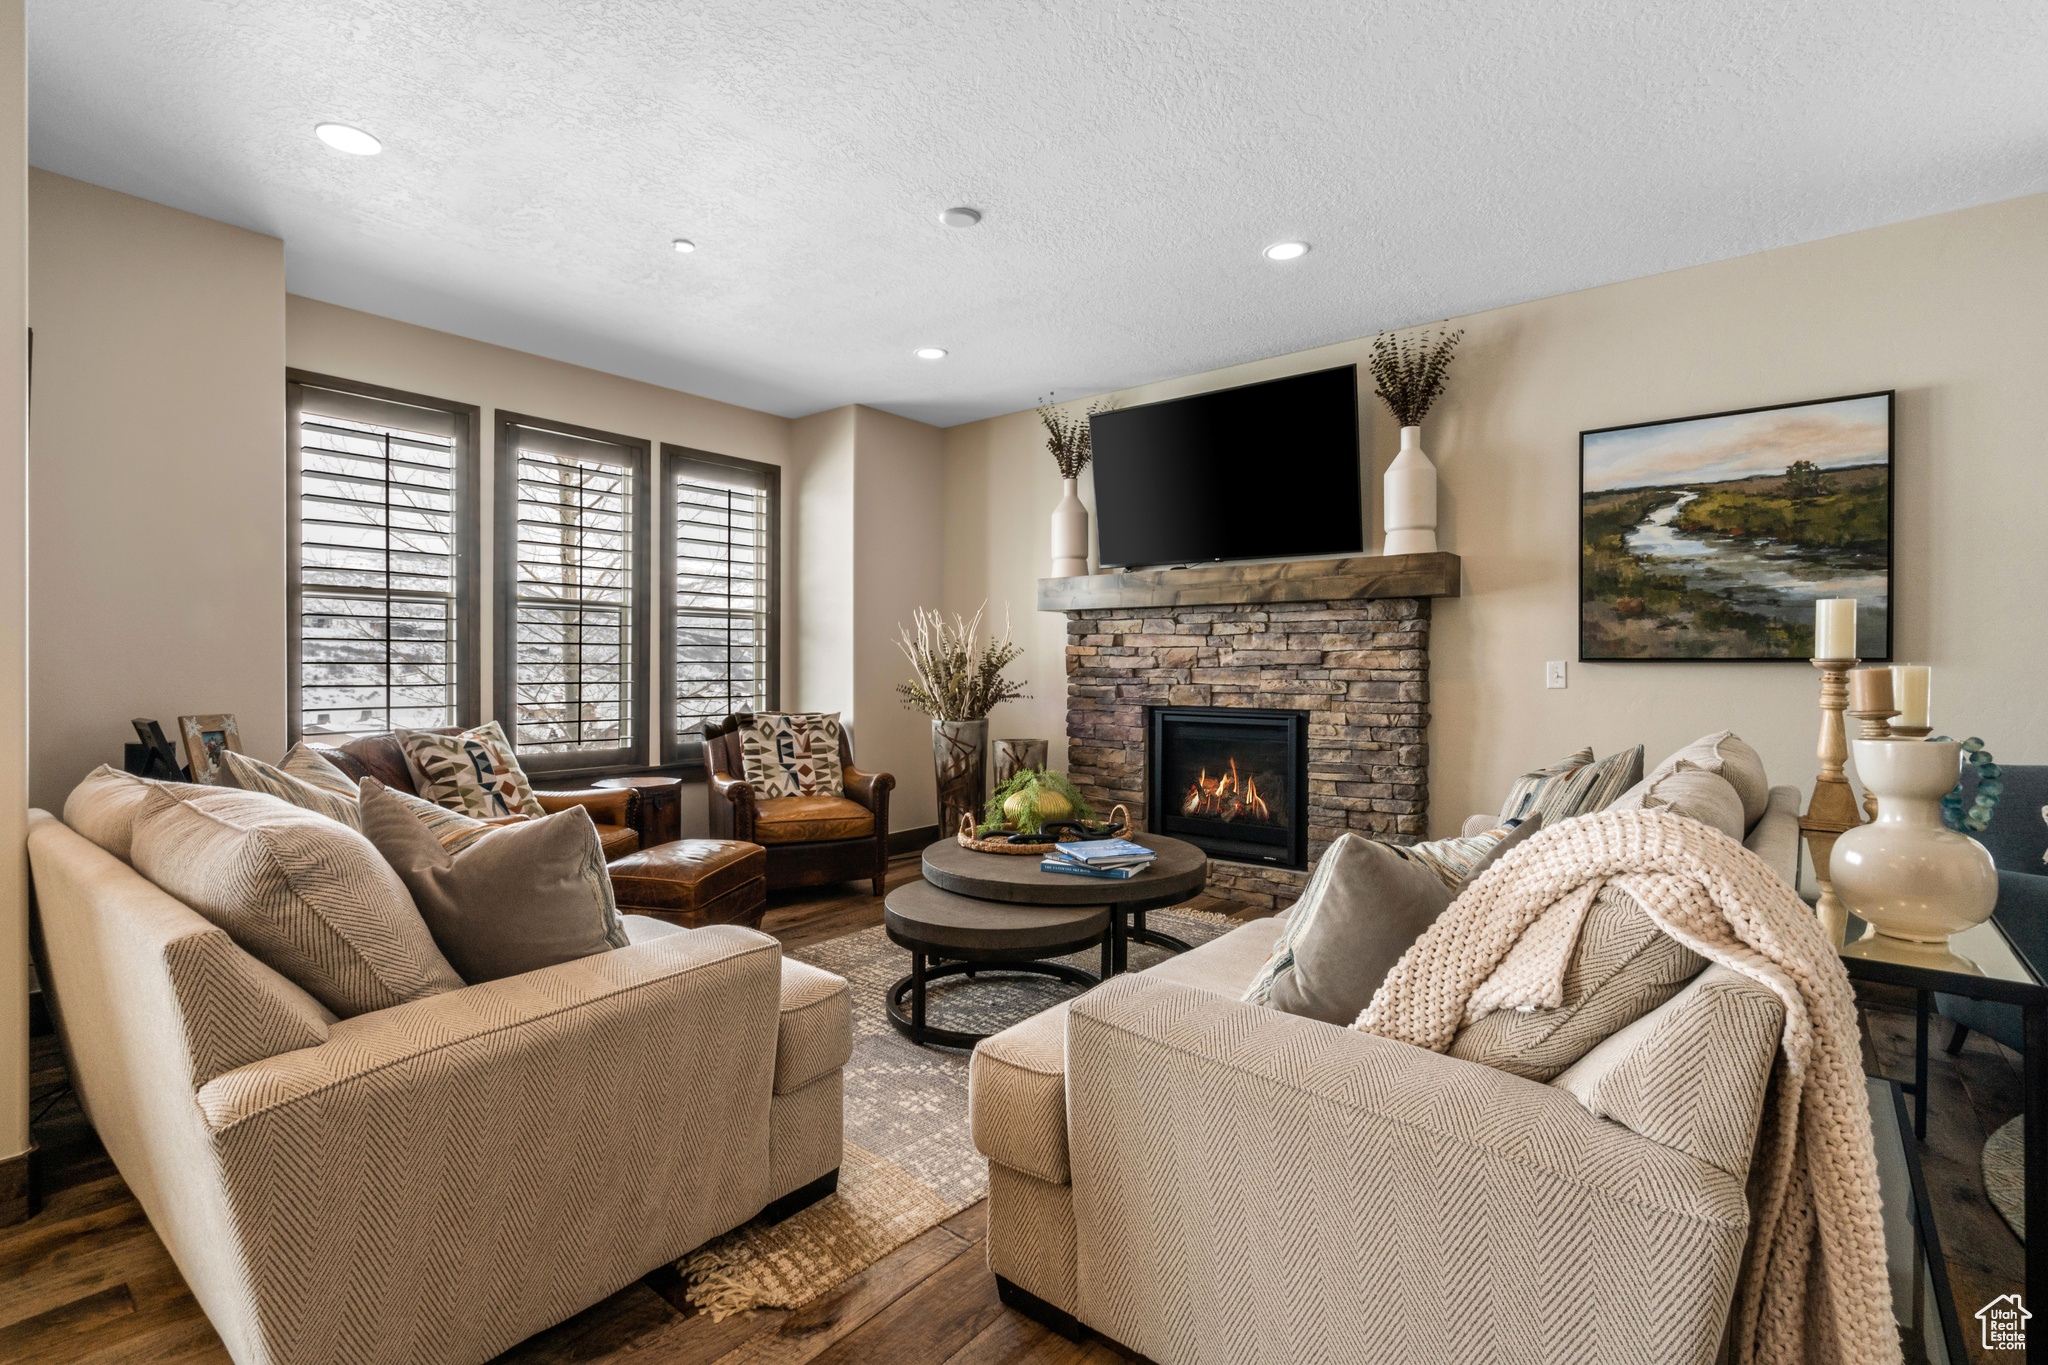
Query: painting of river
[{"x": 1711, "y": 537}]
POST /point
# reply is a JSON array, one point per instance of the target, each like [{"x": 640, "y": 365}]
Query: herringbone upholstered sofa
[
  {"x": 436, "y": 1181},
  {"x": 1209, "y": 1182}
]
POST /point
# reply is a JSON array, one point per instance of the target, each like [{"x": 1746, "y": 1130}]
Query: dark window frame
[
  {"x": 677, "y": 750},
  {"x": 504, "y": 699},
  {"x": 468, "y": 531}
]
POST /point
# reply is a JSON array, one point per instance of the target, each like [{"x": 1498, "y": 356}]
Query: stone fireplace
[{"x": 1343, "y": 673}]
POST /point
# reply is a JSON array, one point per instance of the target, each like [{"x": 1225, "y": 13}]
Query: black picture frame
[{"x": 1771, "y": 622}]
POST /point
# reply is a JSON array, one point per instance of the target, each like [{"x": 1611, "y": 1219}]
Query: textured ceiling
[{"x": 1131, "y": 159}]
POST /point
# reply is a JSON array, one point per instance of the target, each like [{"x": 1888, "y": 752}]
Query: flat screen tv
[{"x": 1266, "y": 471}]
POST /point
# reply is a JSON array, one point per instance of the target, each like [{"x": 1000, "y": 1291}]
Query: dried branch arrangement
[
  {"x": 1410, "y": 378},
  {"x": 952, "y": 679},
  {"x": 1067, "y": 435}
]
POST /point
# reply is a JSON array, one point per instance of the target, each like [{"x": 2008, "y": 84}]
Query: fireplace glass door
[{"x": 1233, "y": 781}]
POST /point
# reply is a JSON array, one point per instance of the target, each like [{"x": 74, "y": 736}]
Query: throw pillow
[
  {"x": 1363, "y": 907},
  {"x": 1622, "y": 967},
  {"x": 1530, "y": 787},
  {"x": 1509, "y": 837},
  {"x": 1455, "y": 862},
  {"x": 303, "y": 894},
  {"x": 793, "y": 754},
  {"x": 1692, "y": 792},
  {"x": 254, "y": 775},
  {"x": 1582, "y": 790},
  {"x": 1726, "y": 754},
  {"x": 466, "y": 772},
  {"x": 103, "y": 807},
  {"x": 451, "y": 829},
  {"x": 533, "y": 895},
  {"x": 305, "y": 763}
]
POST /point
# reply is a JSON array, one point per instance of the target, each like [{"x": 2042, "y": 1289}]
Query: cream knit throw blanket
[{"x": 1815, "y": 1288}]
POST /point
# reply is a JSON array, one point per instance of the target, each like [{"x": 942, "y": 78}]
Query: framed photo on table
[
  {"x": 1711, "y": 537},
  {"x": 203, "y": 738}
]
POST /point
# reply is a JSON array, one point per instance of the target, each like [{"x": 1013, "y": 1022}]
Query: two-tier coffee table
[{"x": 977, "y": 912}]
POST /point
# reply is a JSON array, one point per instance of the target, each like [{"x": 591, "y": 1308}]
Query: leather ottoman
[{"x": 694, "y": 882}]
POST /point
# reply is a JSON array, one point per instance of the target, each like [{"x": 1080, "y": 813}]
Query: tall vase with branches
[
  {"x": 1408, "y": 376},
  {"x": 1071, "y": 441},
  {"x": 957, "y": 680}
]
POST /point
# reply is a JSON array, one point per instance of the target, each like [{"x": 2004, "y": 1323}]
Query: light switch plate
[{"x": 1553, "y": 673}]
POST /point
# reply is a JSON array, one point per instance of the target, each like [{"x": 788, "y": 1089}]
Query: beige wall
[
  {"x": 817, "y": 493},
  {"x": 157, "y": 488},
  {"x": 1951, "y": 311},
  {"x": 897, "y": 550},
  {"x": 14, "y": 604}
]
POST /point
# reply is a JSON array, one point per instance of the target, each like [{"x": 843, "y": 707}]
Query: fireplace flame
[{"x": 1225, "y": 797}]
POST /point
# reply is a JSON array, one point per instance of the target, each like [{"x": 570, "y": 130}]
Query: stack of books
[{"x": 1115, "y": 858}]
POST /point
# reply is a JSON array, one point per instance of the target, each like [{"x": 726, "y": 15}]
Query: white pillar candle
[
  {"x": 1834, "y": 628},
  {"x": 1909, "y": 693}
]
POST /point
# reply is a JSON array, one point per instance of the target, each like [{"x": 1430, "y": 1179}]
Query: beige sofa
[
  {"x": 436, "y": 1181},
  {"x": 1203, "y": 1180}
]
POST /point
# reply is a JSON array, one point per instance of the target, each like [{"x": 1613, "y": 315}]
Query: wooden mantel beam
[{"x": 1307, "y": 580}]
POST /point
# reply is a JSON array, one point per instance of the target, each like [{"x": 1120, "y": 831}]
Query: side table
[
  {"x": 658, "y": 814},
  {"x": 2004, "y": 974}
]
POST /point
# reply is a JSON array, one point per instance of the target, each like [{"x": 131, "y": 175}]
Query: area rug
[
  {"x": 909, "y": 1162},
  {"x": 2005, "y": 1174}
]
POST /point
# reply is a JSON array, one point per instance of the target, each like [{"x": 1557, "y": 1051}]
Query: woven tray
[{"x": 1120, "y": 818}]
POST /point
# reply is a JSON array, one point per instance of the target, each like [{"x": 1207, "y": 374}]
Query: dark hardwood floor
[{"x": 86, "y": 1280}]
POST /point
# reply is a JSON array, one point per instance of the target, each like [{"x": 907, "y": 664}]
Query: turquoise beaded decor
[{"x": 1989, "y": 784}]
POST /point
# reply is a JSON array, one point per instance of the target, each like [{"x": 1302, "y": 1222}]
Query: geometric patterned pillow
[
  {"x": 254, "y": 775},
  {"x": 463, "y": 773},
  {"x": 793, "y": 754},
  {"x": 493, "y": 738}
]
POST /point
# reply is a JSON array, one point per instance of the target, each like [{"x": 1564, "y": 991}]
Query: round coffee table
[
  {"x": 1179, "y": 872},
  {"x": 954, "y": 935}
]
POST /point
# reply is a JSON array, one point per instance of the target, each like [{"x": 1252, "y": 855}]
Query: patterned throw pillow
[
  {"x": 305, "y": 763},
  {"x": 793, "y": 754},
  {"x": 254, "y": 775},
  {"x": 1574, "y": 786},
  {"x": 471, "y": 772},
  {"x": 1458, "y": 861},
  {"x": 451, "y": 829}
]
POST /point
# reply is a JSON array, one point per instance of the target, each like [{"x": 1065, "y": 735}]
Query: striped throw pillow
[
  {"x": 305, "y": 763},
  {"x": 1530, "y": 787},
  {"x": 254, "y": 775},
  {"x": 452, "y": 829}
]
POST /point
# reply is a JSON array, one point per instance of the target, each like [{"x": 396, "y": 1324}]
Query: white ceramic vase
[
  {"x": 1070, "y": 534},
  {"x": 1410, "y": 498},
  {"x": 1914, "y": 879}
]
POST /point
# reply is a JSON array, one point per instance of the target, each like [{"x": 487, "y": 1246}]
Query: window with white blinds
[
  {"x": 719, "y": 626},
  {"x": 382, "y": 590},
  {"x": 572, "y": 589}
]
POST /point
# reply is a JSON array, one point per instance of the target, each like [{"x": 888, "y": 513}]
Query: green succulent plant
[{"x": 1030, "y": 787}]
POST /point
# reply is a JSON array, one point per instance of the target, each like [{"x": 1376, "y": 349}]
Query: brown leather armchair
[
  {"x": 811, "y": 840},
  {"x": 382, "y": 757}
]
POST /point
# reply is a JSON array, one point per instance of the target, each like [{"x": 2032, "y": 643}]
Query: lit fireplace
[
  {"x": 1227, "y": 797},
  {"x": 1232, "y": 780}
]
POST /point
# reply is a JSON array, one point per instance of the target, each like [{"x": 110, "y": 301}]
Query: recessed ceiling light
[
  {"x": 960, "y": 217},
  {"x": 1286, "y": 251},
  {"x": 930, "y": 353},
  {"x": 343, "y": 138},
  {"x": 685, "y": 245}
]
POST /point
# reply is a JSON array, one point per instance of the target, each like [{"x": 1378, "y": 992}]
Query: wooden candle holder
[
  {"x": 1832, "y": 811},
  {"x": 1874, "y": 724}
]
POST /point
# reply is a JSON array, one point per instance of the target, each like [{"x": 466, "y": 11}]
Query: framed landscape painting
[{"x": 1711, "y": 537}]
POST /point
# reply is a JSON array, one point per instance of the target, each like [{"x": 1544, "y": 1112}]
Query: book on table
[
  {"x": 1073, "y": 869},
  {"x": 1105, "y": 853}
]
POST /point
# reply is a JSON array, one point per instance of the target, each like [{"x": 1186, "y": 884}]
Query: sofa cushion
[
  {"x": 1622, "y": 967},
  {"x": 235, "y": 1009},
  {"x": 305, "y": 895},
  {"x": 254, "y": 775},
  {"x": 1366, "y": 902},
  {"x": 103, "y": 807},
  {"x": 804, "y": 819},
  {"x": 531, "y": 895},
  {"x": 792, "y": 753},
  {"x": 1726, "y": 755},
  {"x": 1017, "y": 1080},
  {"x": 1691, "y": 792},
  {"x": 814, "y": 1032}
]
